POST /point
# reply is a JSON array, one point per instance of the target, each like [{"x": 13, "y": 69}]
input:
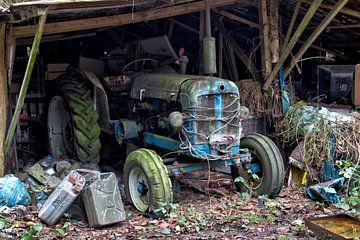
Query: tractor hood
[{"x": 169, "y": 86}]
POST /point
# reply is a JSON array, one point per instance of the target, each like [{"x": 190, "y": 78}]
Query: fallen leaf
[
  {"x": 166, "y": 231},
  {"x": 234, "y": 197}
]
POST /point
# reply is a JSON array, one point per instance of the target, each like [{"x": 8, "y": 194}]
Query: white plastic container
[{"x": 61, "y": 198}]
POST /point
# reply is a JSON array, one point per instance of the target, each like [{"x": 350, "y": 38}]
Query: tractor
[{"x": 168, "y": 123}]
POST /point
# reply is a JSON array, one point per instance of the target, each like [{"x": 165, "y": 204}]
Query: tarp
[{"x": 327, "y": 191}]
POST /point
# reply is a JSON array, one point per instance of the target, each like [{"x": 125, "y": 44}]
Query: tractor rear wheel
[
  {"x": 72, "y": 121},
  {"x": 147, "y": 183},
  {"x": 266, "y": 175}
]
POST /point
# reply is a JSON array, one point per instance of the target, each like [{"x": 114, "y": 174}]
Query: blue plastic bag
[{"x": 13, "y": 192}]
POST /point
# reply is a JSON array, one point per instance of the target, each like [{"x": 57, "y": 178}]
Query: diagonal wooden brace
[{"x": 26, "y": 80}]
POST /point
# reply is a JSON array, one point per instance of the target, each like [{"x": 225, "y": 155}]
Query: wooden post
[
  {"x": 324, "y": 23},
  {"x": 299, "y": 31},
  {"x": 232, "y": 62},
  {"x": 265, "y": 41},
  {"x": 274, "y": 31},
  {"x": 3, "y": 96},
  {"x": 239, "y": 52},
  {"x": 26, "y": 80}
]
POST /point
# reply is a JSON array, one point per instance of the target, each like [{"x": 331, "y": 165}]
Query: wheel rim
[
  {"x": 255, "y": 160},
  {"x": 139, "y": 189},
  {"x": 60, "y": 128}
]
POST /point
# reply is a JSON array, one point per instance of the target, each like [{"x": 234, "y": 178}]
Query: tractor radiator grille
[{"x": 217, "y": 115}]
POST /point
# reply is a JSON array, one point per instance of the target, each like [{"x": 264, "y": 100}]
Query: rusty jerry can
[
  {"x": 102, "y": 200},
  {"x": 62, "y": 198}
]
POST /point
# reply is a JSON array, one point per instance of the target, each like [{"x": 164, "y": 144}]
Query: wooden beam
[
  {"x": 265, "y": 40},
  {"x": 329, "y": 28},
  {"x": 324, "y": 23},
  {"x": 345, "y": 10},
  {"x": 239, "y": 52},
  {"x": 238, "y": 19},
  {"x": 60, "y": 2},
  {"x": 340, "y": 55},
  {"x": 122, "y": 19},
  {"x": 232, "y": 61},
  {"x": 24, "y": 86},
  {"x": 3, "y": 96},
  {"x": 185, "y": 26},
  {"x": 292, "y": 22},
  {"x": 346, "y": 44},
  {"x": 299, "y": 31}
]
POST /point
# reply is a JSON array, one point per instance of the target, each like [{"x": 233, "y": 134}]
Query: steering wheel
[{"x": 153, "y": 62}]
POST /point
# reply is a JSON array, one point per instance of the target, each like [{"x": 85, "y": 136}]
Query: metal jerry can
[
  {"x": 61, "y": 198},
  {"x": 102, "y": 200}
]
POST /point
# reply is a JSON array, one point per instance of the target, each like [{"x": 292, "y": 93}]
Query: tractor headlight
[{"x": 176, "y": 119}]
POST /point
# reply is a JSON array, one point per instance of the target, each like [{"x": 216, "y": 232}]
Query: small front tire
[{"x": 147, "y": 183}]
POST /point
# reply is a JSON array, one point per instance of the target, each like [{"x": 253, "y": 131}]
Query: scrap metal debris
[
  {"x": 331, "y": 143},
  {"x": 62, "y": 198},
  {"x": 341, "y": 226},
  {"x": 55, "y": 190}
]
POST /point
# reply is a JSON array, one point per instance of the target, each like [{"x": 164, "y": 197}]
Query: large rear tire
[
  {"x": 267, "y": 157},
  {"x": 147, "y": 183},
  {"x": 72, "y": 121}
]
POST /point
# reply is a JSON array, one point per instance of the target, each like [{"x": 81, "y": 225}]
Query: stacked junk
[{"x": 57, "y": 187}]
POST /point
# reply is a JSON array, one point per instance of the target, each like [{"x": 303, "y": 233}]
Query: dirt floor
[{"x": 221, "y": 214}]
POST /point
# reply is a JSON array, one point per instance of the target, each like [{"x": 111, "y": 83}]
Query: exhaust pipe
[{"x": 209, "y": 44}]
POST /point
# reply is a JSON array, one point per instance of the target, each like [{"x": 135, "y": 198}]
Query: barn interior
[{"x": 314, "y": 46}]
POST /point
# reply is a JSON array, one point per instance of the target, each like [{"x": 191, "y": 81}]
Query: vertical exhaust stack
[{"x": 209, "y": 44}]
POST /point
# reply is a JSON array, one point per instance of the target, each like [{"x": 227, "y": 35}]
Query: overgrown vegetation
[{"x": 327, "y": 137}]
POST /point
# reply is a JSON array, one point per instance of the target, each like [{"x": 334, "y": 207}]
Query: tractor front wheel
[
  {"x": 147, "y": 183},
  {"x": 266, "y": 174}
]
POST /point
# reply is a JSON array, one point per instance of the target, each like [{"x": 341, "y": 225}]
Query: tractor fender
[{"x": 101, "y": 103}]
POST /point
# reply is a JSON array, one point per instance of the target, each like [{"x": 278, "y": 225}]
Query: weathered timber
[
  {"x": 286, "y": 51},
  {"x": 265, "y": 40},
  {"x": 324, "y": 23},
  {"x": 329, "y": 28},
  {"x": 185, "y": 26},
  {"x": 232, "y": 59},
  {"x": 322, "y": 49},
  {"x": 292, "y": 22},
  {"x": 274, "y": 31},
  {"x": 239, "y": 52},
  {"x": 3, "y": 96},
  {"x": 238, "y": 18},
  {"x": 26, "y": 80},
  {"x": 345, "y": 10},
  {"x": 121, "y": 19}
]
